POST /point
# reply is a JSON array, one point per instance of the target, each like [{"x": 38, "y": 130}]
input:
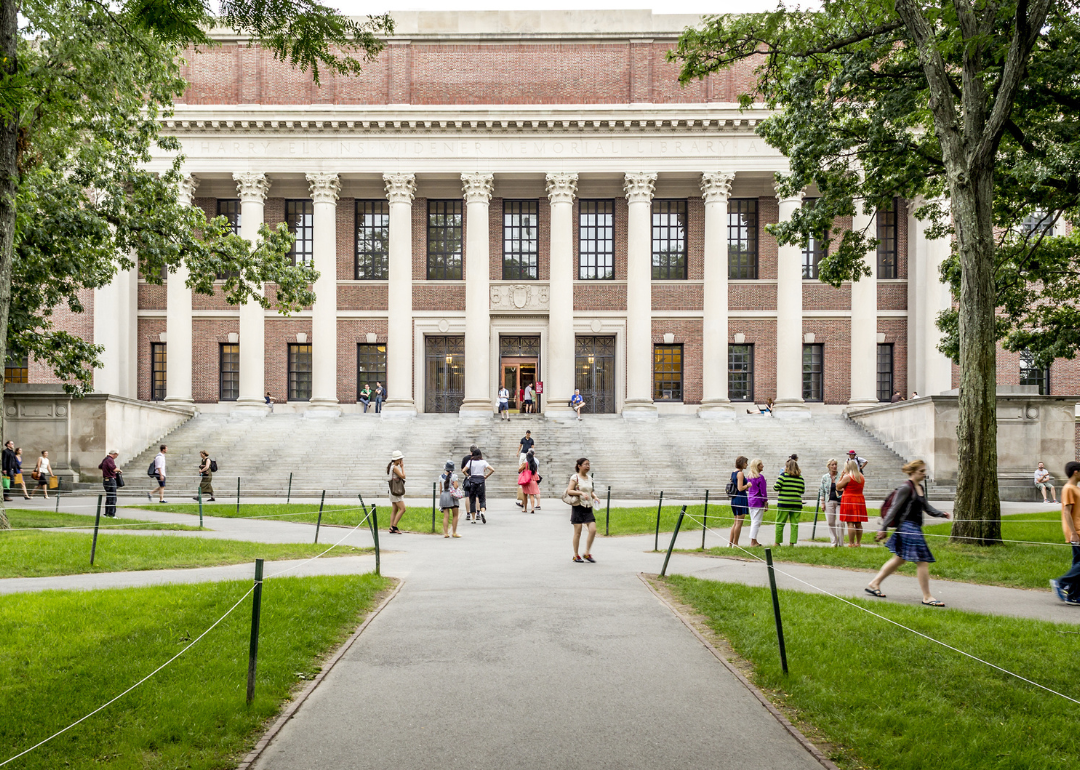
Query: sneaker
[
  {"x": 149, "y": 497},
  {"x": 579, "y": 560},
  {"x": 589, "y": 558},
  {"x": 1059, "y": 591},
  {"x": 537, "y": 508},
  {"x": 483, "y": 519}
]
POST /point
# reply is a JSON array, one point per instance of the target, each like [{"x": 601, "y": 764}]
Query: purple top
[{"x": 758, "y": 494}]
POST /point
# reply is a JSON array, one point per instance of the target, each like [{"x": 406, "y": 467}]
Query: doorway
[
  {"x": 594, "y": 364},
  {"x": 519, "y": 366},
  {"x": 444, "y": 388}
]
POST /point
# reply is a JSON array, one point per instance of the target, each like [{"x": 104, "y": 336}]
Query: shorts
[
  {"x": 397, "y": 498},
  {"x": 1047, "y": 485},
  {"x": 528, "y": 402},
  {"x": 503, "y": 406},
  {"x": 161, "y": 482},
  {"x": 579, "y": 514}
]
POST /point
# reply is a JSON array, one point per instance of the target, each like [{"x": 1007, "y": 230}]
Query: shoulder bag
[
  {"x": 567, "y": 497},
  {"x": 119, "y": 480},
  {"x": 397, "y": 484},
  {"x": 732, "y": 488}
]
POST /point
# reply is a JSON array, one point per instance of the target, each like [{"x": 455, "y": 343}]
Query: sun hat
[
  {"x": 449, "y": 465},
  {"x": 851, "y": 452},
  {"x": 396, "y": 455}
]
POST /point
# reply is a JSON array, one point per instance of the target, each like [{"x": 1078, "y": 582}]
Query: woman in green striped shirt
[{"x": 790, "y": 487}]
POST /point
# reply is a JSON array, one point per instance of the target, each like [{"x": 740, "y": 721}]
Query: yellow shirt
[{"x": 1070, "y": 495}]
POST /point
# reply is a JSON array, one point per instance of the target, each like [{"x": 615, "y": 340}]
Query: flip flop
[
  {"x": 934, "y": 603},
  {"x": 876, "y": 592}
]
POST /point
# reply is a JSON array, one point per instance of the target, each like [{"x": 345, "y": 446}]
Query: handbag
[
  {"x": 119, "y": 480},
  {"x": 35, "y": 475},
  {"x": 54, "y": 482},
  {"x": 731, "y": 489},
  {"x": 524, "y": 477},
  {"x": 397, "y": 486},
  {"x": 18, "y": 478},
  {"x": 568, "y": 499}
]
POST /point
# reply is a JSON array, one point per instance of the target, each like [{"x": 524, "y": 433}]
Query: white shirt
[
  {"x": 504, "y": 396},
  {"x": 159, "y": 465},
  {"x": 528, "y": 393},
  {"x": 45, "y": 468},
  {"x": 1041, "y": 476},
  {"x": 477, "y": 467}
]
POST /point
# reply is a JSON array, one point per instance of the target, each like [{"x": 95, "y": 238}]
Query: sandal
[
  {"x": 876, "y": 592},
  {"x": 934, "y": 603}
]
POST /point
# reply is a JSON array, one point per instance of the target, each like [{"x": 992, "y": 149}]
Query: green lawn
[
  {"x": 27, "y": 519},
  {"x": 37, "y": 554},
  {"x": 642, "y": 521},
  {"x": 415, "y": 519},
  {"x": 67, "y": 652},
  {"x": 892, "y": 700},
  {"x": 1018, "y": 565}
]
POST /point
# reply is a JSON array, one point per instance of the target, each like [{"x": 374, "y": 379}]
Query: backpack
[
  {"x": 887, "y": 513},
  {"x": 152, "y": 470},
  {"x": 213, "y": 465}
]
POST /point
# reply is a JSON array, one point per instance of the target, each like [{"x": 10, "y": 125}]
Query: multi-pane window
[
  {"x": 741, "y": 372},
  {"x": 596, "y": 240},
  {"x": 669, "y": 240},
  {"x": 814, "y": 251},
  {"x": 812, "y": 372},
  {"x": 16, "y": 369},
  {"x": 444, "y": 247},
  {"x": 885, "y": 372},
  {"x": 299, "y": 372},
  {"x": 1038, "y": 223},
  {"x": 229, "y": 372},
  {"x": 667, "y": 372},
  {"x": 742, "y": 238},
  {"x": 886, "y": 233},
  {"x": 230, "y": 209},
  {"x": 372, "y": 240},
  {"x": 300, "y": 216},
  {"x": 1030, "y": 374},
  {"x": 521, "y": 240},
  {"x": 158, "y": 363},
  {"x": 370, "y": 366}
]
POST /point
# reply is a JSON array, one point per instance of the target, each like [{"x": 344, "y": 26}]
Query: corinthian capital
[
  {"x": 324, "y": 187},
  {"x": 252, "y": 186},
  {"x": 639, "y": 186},
  {"x": 796, "y": 198},
  {"x": 561, "y": 187},
  {"x": 478, "y": 187},
  {"x": 186, "y": 189},
  {"x": 400, "y": 188},
  {"x": 716, "y": 186}
]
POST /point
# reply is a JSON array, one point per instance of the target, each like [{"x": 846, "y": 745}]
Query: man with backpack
[{"x": 157, "y": 471}]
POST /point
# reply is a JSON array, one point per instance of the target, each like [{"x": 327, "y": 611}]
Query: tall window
[
  {"x": 229, "y": 372},
  {"x": 740, "y": 376},
  {"x": 299, "y": 372},
  {"x": 158, "y": 363},
  {"x": 814, "y": 250},
  {"x": 521, "y": 240},
  {"x": 669, "y": 240},
  {"x": 885, "y": 372},
  {"x": 596, "y": 240},
  {"x": 742, "y": 238},
  {"x": 372, "y": 240},
  {"x": 667, "y": 372},
  {"x": 1030, "y": 374},
  {"x": 1039, "y": 223},
  {"x": 230, "y": 209},
  {"x": 370, "y": 366},
  {"x": 444, "y": 248},
  {"x": 16, "y": 369},
  {"x": 812, "y": 372},
  {"x": 886, "y": 233},
  {"x": 300, "y": 216}
]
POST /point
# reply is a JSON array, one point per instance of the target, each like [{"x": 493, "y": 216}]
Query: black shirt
[
  {"x": 10, "y": 463},
  {"x": 526, "y": 445}
]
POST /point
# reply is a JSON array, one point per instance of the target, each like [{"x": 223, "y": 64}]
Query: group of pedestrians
[
  {"x": 841, "y": 495},
  {"x": 41, "y": 477}
]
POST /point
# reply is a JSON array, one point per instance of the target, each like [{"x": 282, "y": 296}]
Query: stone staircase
[{"x": 681, "y": 455}]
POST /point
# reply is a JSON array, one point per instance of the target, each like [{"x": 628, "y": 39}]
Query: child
[{"x": 448, "y": 482}]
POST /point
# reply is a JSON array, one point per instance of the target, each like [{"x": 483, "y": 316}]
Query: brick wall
[
  {"x": 892, "y": 296},
  {"x": 363, "y": 295},
  {"x": 352, "y": 332},
  {"x": 761, "y": 333},
  {"x": 152, "y": 296},
  {"x": 895, "y": 331},
  {"x": 63, "y": 319},
  {"x": 599, "y": 295},
  {"x": 820, "y": 296},
  {"x": 678, "y": 296},
  {"x": 427, "y": 296},
  {"x": 207, "y": 336},
  {"x": 834, "y": 335},
  {"x": 687, "y": 333},
  {"x": 150, "y": 330},
  {"x": 752, "y": 296},
  {"x": 768, "y": 213},
  {"x": 345, "y": 235},
  {"x": 278, "y": 333}
]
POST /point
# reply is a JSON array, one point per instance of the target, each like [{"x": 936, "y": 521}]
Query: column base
[
  {"x": 791, "y": 409},
  {"x": 476, "y": 409},
  {"x": 716, "y": 409},
  {"x": 397, "y": 407},
  {"x": 322, "y": 408},
  {"x": 639, "y": 409},
  {"x": 250, "y": 407},
  {"x": 862, "y": 403},
  {"x": 183, "y": 403}
]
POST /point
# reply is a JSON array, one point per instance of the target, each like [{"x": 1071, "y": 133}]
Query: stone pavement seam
[
  {"x": 294, "y": 706},
  {"x": 784, "y": 721}
]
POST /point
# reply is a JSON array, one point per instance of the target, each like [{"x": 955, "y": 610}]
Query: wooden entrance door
[{"x": 517, "y": 372}]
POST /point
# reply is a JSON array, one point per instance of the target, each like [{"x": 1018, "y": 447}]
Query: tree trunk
[
  {"x": 977, "y": 508},
  {"x": 9, "y": 137}
]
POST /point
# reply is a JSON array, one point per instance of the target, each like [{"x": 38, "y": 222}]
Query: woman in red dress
[{"x": 852, "y": 504}]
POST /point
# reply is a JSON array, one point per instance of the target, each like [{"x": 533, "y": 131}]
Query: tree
[
  {"x": 82, "y": 88},
  {"x": 877, "y": 100}
]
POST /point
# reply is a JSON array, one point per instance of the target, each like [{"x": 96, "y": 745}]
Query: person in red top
[
  {"x": 852, "y": 503},
  {"x": 1067, "y": 587}
]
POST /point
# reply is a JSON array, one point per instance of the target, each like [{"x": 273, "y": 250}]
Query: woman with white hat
[{"x": 395, "y": 478}]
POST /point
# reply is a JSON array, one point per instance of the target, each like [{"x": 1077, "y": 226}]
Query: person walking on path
[
  {"x": 852, "y": 502},
  {"x": 789, "y": 486},
  {"x": 524, "y": 446},
  {"x": 757, "y": 498},
  {"x": 527, "y": 481},
  {"x": 1067, "y": 587},
  {"x": 583, "y": 499},
  {"x": 504, "y": 404},
  {"x": 479, "y": 470},
  {"x": 19, "y": 478},
  {"x": 829, "y": 499},
  {"x": 9, "y": 469},
  {"x": 577, "y": 402},
  {"x": 740, "y": 505},
  {"x": 159, "y": 473},
  {"x": 447, "y": 501},
  {"x": 206, "y": 476},
  {"x": 395, "y": 479},
  {"x": 907, "y": 543},
  {"x": 380, "y": 396},
  {"x": 1043, "y": 483},
  {"x": 42, "y": 473},
  {"x": 365, "y": 397},
  {"x": 109, "y": 472},
  {"x": 465, "y": 482}
]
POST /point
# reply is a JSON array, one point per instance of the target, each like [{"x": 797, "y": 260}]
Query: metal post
[
  {"x": 776, "y": 610},
  {"x": 607, "y": 516},
  {"x": 200, "y": 506},
  {"x": 58, "y": 500},
  {"x": 813, "y": 532},
  {"x": 237, "y": 495},
  {"x": 656, "y": 540},
  {"x": 375, "y": 534},
  {"x": 674, "y": 535},
  {"x": 705, "y": 520},
  {"x": 256, "y": 611},
  {"x": 433, "y": 507},
  {"x": 97, "y": 521},
  {"x": 318, "y": 522},
  {"x": 288, "y": 495}
]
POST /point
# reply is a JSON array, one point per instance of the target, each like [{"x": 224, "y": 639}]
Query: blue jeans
[
  {"x": 1070, "y": 581},
  {"x": 365, "y": 403},
  {"x": 378, "y": 404}
]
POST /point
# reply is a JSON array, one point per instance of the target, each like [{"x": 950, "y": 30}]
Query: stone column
[
  {"x": 324, "y": 194},
  {"x": 559, "y": 378},
  {"x": 400, "y": 191},
  {"x": 178, "y": 321},
  {"x": 478, "y": 401},
  {"x": 789, "y": 333},
  {"x": 933, "y": 368},
  {"x": 639, "y": 356},
  {"x": 715, "y": 188},
  {"x": 864, "y": 323},
  {"x": 252, "y": 188}
]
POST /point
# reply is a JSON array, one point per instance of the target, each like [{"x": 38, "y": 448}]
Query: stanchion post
[
  {"x": 237, "y": 495},
  {"x": 656, "y": 540},
  {"x": 256, "y": 612},
  {"x": 607, "y": 516},
  {"x": 97, "y": 521},
  {"x": 813, "y": 532},
  {"x": 318, "y": 522},
  {"x": 705, "y": 520},
  {"x": 200, "y": 506},
  {"x": 433, "y": 507},
  {"x": 375, "y": 534},
  {"x": 776, "y": 610},
  {"x": 58, "y": 500},
  {"x": 674, "y": 535},
  {"x": 288, "y": 495}
]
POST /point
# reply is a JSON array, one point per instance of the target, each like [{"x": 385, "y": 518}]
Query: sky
[{"x": 363, "y": 7}]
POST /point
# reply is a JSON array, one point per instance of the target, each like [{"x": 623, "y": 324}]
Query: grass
[
  {"x": 38, "y": 554},
  {"x": 36, "y": 519},
  {"x": 415, "y": 519},
  {"x": 67, "y": 652},
  {"x": 1011, "y": 564},
  {"x": 886, "y": 698},
  {"x": 642, "y": 521}
]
